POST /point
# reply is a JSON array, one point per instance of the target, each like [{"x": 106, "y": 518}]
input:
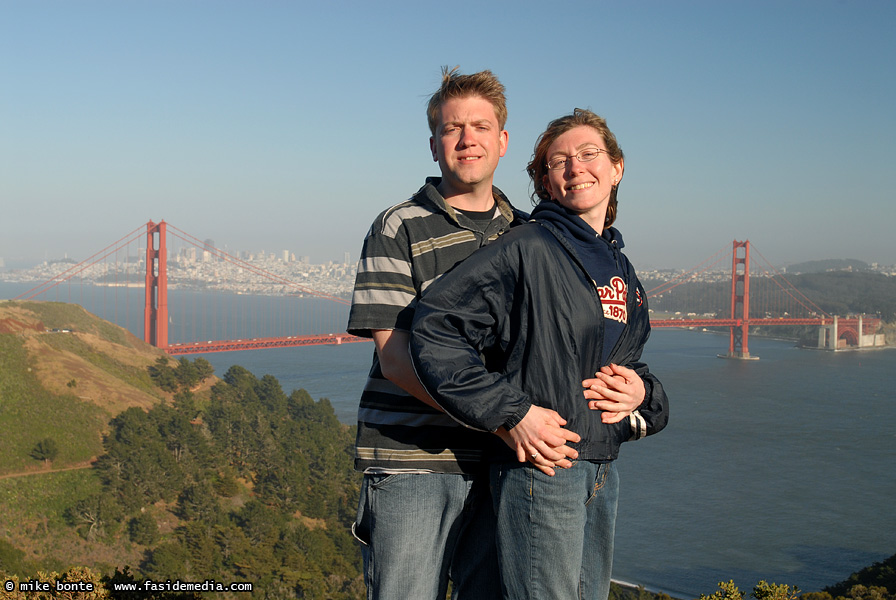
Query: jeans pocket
[
  {"x": 356, "y": 533},
  {"x": 378, "y": 482}
]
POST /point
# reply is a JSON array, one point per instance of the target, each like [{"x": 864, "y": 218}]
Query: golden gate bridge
[
  {"x": 780, "y": 297},
  {"x": 780, "y": 303}
]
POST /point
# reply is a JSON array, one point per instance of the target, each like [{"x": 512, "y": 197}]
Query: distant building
[{"x": 211, "y": 250}]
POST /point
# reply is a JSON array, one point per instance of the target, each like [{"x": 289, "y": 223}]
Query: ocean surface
[{"x": 781, "y": 469}]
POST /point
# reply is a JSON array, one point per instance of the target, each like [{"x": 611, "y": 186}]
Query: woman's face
[{"x": 582, "y": 187}]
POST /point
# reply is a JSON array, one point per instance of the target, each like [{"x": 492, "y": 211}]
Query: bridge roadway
[
  {"x": 688, "y": 322},
  {"x": 344, "y": 338},
  {"x": 259, "y": 343}
]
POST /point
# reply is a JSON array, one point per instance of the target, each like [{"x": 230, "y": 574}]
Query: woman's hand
[
  {"x": 615, "y": 390},
  {"x": 541, "y": 439}
]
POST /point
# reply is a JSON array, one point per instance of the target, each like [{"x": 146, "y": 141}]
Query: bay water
[{"x": 781, "y": 469}]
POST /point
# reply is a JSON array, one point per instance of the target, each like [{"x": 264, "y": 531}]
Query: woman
[{"x": 518, "y": 329}]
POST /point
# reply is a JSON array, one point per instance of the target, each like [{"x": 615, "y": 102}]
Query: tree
[
  {"x": 143, "y": 529},
  {"x": 772, "y": 591},
  {"x": 138, "y": 467},
  {"x": 166, "y": 561},
  {"x": 186, "y": 374},
  {"x": 94, "y": 516},
  {"x": 203, "y": 368},
  {"x": 727, "y": 591},
  {"x": 45, "y": 450},
  {"x": 225, "y": 484},
  {"x": 203, "y": 555},
  {"x": 260, "y": 522},
  {"x": 880, "y": 574},
  {"x": 185, "y": 403},
  {"x": 163, "y": 375},
  {"x": 198, "y": 503},
  {"x": 761, "y": 591},
  {"x": 240, "y": 378},
  {"x": 179, "y": 435},
  {"x": 271, "y": 394}
]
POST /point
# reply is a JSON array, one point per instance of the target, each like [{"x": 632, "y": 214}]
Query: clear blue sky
[{"x": 289, "y": 125}]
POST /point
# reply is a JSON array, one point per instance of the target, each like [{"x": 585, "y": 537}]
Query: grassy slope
[{"x": 65, "y": 386}]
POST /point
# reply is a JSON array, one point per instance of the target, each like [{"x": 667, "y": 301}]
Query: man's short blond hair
[{"x": 454, "y": 85}]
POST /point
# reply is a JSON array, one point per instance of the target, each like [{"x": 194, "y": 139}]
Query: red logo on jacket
[{"x": 613, "y": 298}]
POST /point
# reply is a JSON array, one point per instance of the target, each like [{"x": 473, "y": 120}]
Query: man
[{"x": 424, "y": 515}]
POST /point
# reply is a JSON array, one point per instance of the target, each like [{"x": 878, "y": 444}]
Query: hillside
[
  {"x": 231, "y": 480},
  {"x": 64, "y": 373},
  {"x": 823, "y": 266}
]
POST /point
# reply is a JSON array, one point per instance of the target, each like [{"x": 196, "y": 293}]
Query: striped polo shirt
[{"x": 408, "y": 247}]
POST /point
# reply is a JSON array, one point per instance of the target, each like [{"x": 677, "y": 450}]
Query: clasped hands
[{"x": 540, "y": 437}]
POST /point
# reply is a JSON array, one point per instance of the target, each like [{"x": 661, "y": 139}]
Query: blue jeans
[
  {"x": 555, "y": 534},
  {"x": 419, "y": 530}
]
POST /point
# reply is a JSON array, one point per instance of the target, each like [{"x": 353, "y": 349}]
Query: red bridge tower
[
  {"x": 155, "y": 314},
  {"x": 740, "y": 301}
]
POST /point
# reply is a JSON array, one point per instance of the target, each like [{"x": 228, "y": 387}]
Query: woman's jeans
[{"x": 555, "y": 534}]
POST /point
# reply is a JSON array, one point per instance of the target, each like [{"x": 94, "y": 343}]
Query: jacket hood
[{"x": 573, "y": 226}]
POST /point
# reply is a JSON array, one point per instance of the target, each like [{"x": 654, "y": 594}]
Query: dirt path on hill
[{"x": 76, "y": 467}]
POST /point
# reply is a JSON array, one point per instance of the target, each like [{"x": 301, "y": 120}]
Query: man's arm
[
  {"x": 539, "y": 425},
  {"x": 451, "y": 325},
  {"x": 396, "y": 365}
]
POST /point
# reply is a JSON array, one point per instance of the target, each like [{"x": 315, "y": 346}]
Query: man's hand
[
  {"x": 541, "y": 439},
  {"x": 616, "y": 390}
]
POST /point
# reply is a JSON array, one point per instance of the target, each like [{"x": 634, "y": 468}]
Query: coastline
[{"x": 635, "y": 588}]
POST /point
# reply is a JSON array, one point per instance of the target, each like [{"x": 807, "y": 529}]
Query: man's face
[{"x": 467, "y": 144}]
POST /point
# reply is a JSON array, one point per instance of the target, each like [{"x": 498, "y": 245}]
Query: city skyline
[
  {"x": 290, "y": 256},
  {"x": 279, "y": 127}
]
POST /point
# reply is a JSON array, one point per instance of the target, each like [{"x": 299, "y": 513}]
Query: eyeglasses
[{"x": 586, "y": 155}]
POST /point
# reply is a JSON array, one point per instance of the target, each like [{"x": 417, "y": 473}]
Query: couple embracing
[{"x": 506, "y": 371}]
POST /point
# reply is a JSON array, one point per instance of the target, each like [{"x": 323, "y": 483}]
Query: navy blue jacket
[{"x": 520, "y": 323}]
